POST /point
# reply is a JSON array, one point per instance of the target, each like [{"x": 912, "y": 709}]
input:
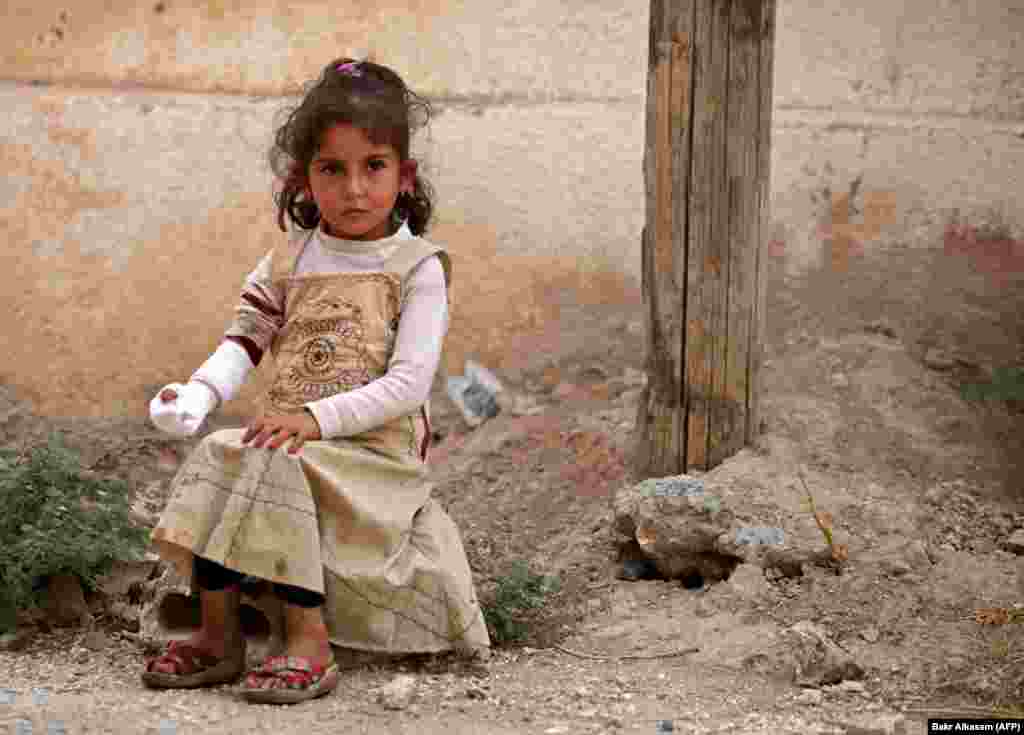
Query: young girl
[{"x": 354, "y": 310}]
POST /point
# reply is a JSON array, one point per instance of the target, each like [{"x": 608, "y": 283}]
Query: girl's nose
[{"x": 355, "y": 185}]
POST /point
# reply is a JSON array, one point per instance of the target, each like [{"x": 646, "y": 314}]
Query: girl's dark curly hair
[{"x": 378, "y": 102}]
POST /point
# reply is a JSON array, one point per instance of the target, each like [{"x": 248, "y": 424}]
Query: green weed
[
  {"x": 58, "y": 519},
  {"x": 516, "y": 596}
]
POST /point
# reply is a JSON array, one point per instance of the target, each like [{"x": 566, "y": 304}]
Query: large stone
[
  {"x": 804, "y": 655},
  {"x": 1015, "y": 542},
  {"x": 171, "y": 610},
  {"x": 708, "y": 525},
  {"x": 167, "y": 608},
  {"x": 748, "y": 582},
  {"x": 65, "y": 601},
  {"x": 397, "y": 694},
  {"x": 127, "y": 577}
]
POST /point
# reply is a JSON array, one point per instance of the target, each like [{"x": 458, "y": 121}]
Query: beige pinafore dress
[{"x": 351, "y": 518}]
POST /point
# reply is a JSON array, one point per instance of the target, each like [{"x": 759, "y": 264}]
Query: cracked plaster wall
[{"x": 136, "y": 194}]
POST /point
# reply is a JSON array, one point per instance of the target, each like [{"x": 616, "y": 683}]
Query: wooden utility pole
[{"x": 706, "y": 170}]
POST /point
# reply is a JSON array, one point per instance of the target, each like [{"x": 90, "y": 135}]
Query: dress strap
[{"x": 413, "y": 252}]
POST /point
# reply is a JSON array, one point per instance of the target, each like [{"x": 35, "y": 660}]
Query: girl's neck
[{"x": 392, "y": 231}]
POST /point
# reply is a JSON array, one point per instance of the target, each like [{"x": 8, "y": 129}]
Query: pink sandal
[
  {"x": 303, "y": 680},
  {"x": 194, "y": 667}
]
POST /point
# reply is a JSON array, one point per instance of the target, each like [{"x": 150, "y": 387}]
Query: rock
[
  {"x": 840, "y": 380},
  {"x": 937, "y": 359},
  {"x": 1015, "y": 542},
  {"x": 882, "y": 327},
  {"x": 396, "y": 694},
  {"x": 709, "y": 524},
  {"x": 167, "y": 610},
  {"x": 819, "y": 661},
  {"x": 810, "y": 696},
  {"x": 65, "y": 601},
  {"x": 898, "y": 557},
  {"x": 475, "y": 693},
  {"x": 266, "y": 635},
  {"x": 15, "y": 640},
  {"x": 804, "y": 655},
  {"x": 170, "y": 609},
  {"x": 748, "y": 581},
  {"x": 594, "y": 372},
  {"x": 142, "y": 515},
  {"x": 938, "y": 494},
  {"x": 848, "y": 687},
  {"x": 516, "y": 404},
  {"x": 870, "y": 634},
  {"x": 633, "y": 378},
  {"x": 875, "y": 723},
  {"x": 126, "y": 576},
  {"x": 704, "y": 608},
  {"x": 95, "y": 640},
  {"x": 127, "y": 614}
]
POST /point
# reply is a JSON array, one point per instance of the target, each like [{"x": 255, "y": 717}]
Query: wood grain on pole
[{"x": 706, "y": 176}]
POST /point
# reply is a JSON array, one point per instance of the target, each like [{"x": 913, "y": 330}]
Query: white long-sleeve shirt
[{"x": 421, "y": 330}]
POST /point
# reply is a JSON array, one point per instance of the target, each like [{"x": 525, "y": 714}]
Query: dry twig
[{"x": 633, "y": 657}]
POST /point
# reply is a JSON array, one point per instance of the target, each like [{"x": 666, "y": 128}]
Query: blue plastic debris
[
  {"x": 475, "y": 394},
  {"x": 672, "y": 487},
  {"x": 634, "y": 569},
  {"x": 759, "y": 535},
  {"x": 8, "y": 696}
]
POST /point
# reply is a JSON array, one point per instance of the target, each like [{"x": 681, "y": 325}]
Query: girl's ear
[{"x": 407, "y": 174}]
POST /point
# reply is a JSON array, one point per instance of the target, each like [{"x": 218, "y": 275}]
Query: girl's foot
[
  {"x": 213, "y": 655},
  {"x": 209, "y": 644},
  {"x": 310, "y": 645},
  {"x": 305, "y": 671},
  {"x": 203, "y": 660}
]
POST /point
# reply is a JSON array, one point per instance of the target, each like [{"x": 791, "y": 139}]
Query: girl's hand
[
  {"x": 278, "y": 429},
  {"x": 179, "y": 410}
]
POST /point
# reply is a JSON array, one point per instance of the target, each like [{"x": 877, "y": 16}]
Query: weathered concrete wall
[{"x": 136, "y": 194}]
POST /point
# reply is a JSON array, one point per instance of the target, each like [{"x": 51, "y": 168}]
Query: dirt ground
[{"x": 860, "y": 389}]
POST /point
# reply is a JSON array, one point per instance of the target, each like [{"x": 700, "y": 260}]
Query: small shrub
[
  {"x": 57, "y": 519},
  {"x": 515, "y": 596},
  {"x": 1007, "y": 385}
]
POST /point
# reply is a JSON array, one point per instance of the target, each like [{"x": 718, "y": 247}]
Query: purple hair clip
[{"x": 350, "y": 69}]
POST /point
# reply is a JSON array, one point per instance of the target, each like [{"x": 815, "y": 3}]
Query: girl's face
[{"x": 355, "y": 183}]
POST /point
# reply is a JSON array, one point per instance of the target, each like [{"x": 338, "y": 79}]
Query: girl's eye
[{"x": 330, "y": 168}]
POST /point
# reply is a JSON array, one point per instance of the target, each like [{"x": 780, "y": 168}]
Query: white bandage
[
  {"x": 225, "y": 371},
  {"x": 185, "y": 414}
]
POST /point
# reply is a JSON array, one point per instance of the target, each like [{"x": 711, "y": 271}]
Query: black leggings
[{"x": 212, "y": 576}]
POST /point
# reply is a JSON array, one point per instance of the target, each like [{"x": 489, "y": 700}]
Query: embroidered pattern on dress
[{"x": 325, "y": 354}]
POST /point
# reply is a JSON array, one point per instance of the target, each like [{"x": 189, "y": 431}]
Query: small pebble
[{"x": 811, "y": 696}]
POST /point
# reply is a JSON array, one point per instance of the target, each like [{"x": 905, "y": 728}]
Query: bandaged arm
[
  {"x": 258, "y": 318},
  {"x": 406, "y": 384}
]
